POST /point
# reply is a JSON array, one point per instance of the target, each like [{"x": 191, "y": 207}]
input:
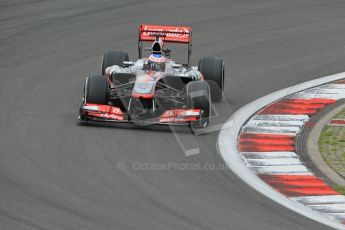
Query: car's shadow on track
[{"x": 131, "y": 126}]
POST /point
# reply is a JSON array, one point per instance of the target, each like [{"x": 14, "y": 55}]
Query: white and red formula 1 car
[{"x": 154, "y": 89}]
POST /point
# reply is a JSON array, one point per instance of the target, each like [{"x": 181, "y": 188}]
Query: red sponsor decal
[
  {"x": 180, "y": 115},
  {"x": 179, "y": 34},
  {"x": 107, "y": 116},
  {"x": 103, "y": 108},
  {"x": 104, "y": 111}
]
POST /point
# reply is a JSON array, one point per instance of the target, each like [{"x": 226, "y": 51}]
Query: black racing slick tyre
[
  {"x": 96, "y": 89},
  {"x": 198, "y": 97},
  {"x": 213, "y": 70},
  {"x": 113, "y": 58}
]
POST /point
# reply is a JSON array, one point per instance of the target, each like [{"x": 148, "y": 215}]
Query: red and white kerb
[{"x": 267, "y": 145}]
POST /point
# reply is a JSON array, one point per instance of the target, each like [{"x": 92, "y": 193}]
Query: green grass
[
  {"x": 340, "y": 115},
  {"x": 340, "y": 189},
  {"x": 332, "y": 148}
]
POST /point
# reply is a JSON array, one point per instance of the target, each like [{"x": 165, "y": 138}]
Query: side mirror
[
  {"x": 128, "y": 63},
  {"x": 177, "y": 66}
]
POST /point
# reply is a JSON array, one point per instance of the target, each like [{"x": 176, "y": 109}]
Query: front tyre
[
  {"x": 96, "y": 89},
  {"x": 213, "y": 70},
  {"x": 111, "y": 58}
]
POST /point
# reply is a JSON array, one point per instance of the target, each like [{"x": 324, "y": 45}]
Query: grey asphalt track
[{"x": 55, "y": 174}]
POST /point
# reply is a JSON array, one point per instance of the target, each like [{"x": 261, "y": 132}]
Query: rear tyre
[
  {"x": 113, "y": 58},
  {"x": 96, "y": 89},
  {"x": 213, "y": 70},
  {"x": 198, "y": 97}
]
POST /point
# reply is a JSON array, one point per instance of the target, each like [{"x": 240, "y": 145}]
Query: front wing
[{"x": 107, "y": 113}]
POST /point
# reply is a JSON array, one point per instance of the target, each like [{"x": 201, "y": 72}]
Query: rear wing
[{"x": 171, "y": 34}]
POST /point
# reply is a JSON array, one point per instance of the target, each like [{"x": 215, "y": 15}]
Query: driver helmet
[{"x": 156, "y": 62}]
